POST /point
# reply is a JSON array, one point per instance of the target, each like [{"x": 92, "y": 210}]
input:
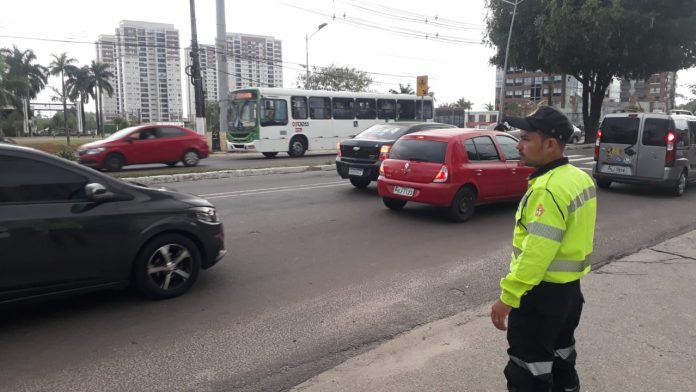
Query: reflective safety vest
[{"x": 554, "y": 231}]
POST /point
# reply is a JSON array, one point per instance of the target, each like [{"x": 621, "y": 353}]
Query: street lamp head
[{"x": 321, "y": 26}]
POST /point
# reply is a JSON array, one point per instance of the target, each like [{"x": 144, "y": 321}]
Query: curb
[{"x": 212, "y": 175}]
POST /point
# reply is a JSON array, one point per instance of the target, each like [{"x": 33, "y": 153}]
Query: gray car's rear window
[
  {"x": 655, "y": 132},
  {"x": 419, "y": 150},
  {"x": 620, "y": 130},
  {"x": 383, "y": 132}
]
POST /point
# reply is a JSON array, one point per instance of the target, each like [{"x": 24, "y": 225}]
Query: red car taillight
[
  {"x": 442, "y": 175},
  {"x": 338, "y": 150},
  {"x": 381, "y": 169},
  {"x": 671, "y": 155},
  {"x": 384, "y": 152},
  {"x": 596, "y": 145}
]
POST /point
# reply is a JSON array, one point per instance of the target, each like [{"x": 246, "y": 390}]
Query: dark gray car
[{"x": 67, "y": 229}]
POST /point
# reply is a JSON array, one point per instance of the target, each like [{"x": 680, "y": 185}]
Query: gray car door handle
[{"x": 4, "y": 232}]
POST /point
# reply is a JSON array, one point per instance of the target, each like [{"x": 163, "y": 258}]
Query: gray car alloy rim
[
  {"x": 682, "y": 183},
  {"x": 190, "y": 158},
  {"x": 169, "y": 266}
]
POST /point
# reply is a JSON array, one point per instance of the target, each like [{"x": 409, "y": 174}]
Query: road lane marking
[
  {"x": 582, "y": 159},
  {"x": 272, "y": 189},
  {"x": 260, "y": 192}
]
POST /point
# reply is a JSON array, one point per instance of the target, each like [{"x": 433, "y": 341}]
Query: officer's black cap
[{"x": 546, "y": 120}]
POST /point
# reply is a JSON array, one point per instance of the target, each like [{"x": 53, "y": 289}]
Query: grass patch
[{"x": 52, "y": 145}]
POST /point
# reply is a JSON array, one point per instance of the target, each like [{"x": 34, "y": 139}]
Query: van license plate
[
  {"x": 615, "y": 169},
  {"x": 403, "y": 191},
  {"x": 352, "y": 171}
]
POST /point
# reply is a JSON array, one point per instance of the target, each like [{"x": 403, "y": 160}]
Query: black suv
[
  {"x": 359, "y": 158},
  {"x": 67, "y": 229}
]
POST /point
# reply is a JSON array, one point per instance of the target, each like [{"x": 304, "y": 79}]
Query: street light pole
[
  {"x": 505, "y": 63},
  {"x": 307, "y": 37}
]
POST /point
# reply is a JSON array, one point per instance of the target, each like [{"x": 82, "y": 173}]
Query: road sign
[{"x": 422, "y": 85}]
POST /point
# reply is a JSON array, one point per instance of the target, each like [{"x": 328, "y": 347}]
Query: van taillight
[
  {"x": 442, "y": 175},
  {"x": 384, "y": 152},
  {"x": 596, "y": 144},
  {"x": 338, "y": 150},
  {"x": 671, "y": 155}
]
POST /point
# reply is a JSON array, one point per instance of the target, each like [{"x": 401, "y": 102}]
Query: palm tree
[
  {"x": 6, "y": 97},
  {"x": 463, "y": 103},
  {"x": 407, "y": 89},
  {"x": 24, "y": 79},
  {"x": 61, "y": 65},
  {"x": 77, "y": 87},
  {"x": 490, "y": 107},
  {"x": 99, "y": 76}
]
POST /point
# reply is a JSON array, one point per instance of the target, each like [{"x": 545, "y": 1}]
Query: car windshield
[
  {"x": 120, "y": 134},
  {"x": 383, "y": 132},
  {"x": 620, "y": 130},
  {"x": 419, "y": 150}
]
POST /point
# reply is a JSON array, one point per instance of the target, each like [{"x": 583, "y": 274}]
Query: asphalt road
[{"x": 316, "y": 272}]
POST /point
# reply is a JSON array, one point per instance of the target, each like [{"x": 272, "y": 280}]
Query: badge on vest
[{"x": 539, "y": 210}]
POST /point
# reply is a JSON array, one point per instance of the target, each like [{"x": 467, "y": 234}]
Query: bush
[{"x": 67, "y": 153}]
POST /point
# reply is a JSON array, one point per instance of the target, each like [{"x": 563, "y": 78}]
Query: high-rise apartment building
[
  {"x": 106, "y": 53},
  {"x": 147, "y": 63},
  {"x": 252, "y": 61},
  {"x": 208, "y": 62},
  {"x": 654, "y": 93}
]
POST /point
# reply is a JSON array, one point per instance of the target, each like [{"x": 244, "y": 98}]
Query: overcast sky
[{"x": 384, "y": 38}]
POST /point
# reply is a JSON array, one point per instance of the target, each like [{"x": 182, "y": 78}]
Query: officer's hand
[{"x": 499, "y": 312}]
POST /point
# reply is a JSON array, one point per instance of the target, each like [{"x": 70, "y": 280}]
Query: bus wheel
[
  {"x": 297, "y": 147},
  {"x": 269, "y": 154}
]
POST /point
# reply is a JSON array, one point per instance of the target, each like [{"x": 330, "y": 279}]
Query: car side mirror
[{"x": 98, "y": 193}]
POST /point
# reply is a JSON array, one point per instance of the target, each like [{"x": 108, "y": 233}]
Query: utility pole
[
  {"x": 194, "y": 71},
  {"x": 505, "y": 63},
  {"x": 222, "y": 81}
]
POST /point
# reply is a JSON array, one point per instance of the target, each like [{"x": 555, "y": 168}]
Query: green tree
[
  {"x": 595, "y": 41},
  {"x": 489, "y": 106},
  {"x": 120, "y": 123},
  {"x": 333, "y": 78},
  {"x": 6, "y": 96},
  {"x": 99, "y": 76},
  {"x": 212, "y": 115},
  {"x": 407, "y": 89},
  {"x": 463, "y": 103},
  {"x": 24, "y": 79},
  {"x": 78, "y": 88},
  {"x": 60, "y": 66}
]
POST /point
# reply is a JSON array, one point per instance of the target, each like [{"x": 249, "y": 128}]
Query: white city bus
[{"x": 273, "y": 120}]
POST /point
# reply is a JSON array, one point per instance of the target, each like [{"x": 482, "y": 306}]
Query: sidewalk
[{"x": 638, "y": 333}]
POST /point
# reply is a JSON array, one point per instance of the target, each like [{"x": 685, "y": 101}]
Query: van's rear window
[
  {"x": 655, "y": 132},
  {"x": 620, "y": 130},
  {"x": 419, "y": 150}
]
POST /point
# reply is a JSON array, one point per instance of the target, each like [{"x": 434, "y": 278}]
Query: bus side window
[
  {"x": 407, "y": 109},
  {"x": 320, "y": 108},
  {"x": 343, "y": 109},
  {"x": 427, "y": 107},
  {"x": 299, "y": 108},
  {"x": 365, "y": 109},
  {"x": 386, "y": 108}
]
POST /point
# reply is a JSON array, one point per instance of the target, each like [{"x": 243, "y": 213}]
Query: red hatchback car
[
  {"x": 453, "y": 168},
  {"x": 145, "y": 144}
]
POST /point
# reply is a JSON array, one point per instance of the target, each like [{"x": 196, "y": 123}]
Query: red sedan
[
  {"x": 453, "y": 168},
  {"x": 145, "y": 144}
]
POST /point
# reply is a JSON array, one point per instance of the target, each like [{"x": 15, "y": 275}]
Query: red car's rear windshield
[{"x": 419, "y": 150}]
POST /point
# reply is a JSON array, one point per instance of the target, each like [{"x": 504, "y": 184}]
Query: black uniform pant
[{"x": 540, "y": 336}]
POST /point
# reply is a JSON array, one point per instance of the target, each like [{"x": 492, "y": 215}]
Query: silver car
[{"x": 646, "y": 148}]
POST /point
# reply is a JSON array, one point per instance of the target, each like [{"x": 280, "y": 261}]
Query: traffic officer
[{"x": 552, "y": 245}]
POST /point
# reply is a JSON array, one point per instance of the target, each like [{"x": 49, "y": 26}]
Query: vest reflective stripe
[
  {"x": 546, "y": 231},
  {"x": 516, "y": 251},
  {"x": 570, "y": 265},
  {"x": 564, "y": 353},
  {"x": 586, "y": 195},
  {"x": 536, "y": 368}
]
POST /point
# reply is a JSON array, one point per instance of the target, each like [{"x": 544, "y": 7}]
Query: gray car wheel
[
  {"x": 167, "y": 267},
  {"x": 190, "y": 158},
  {"x": 679, "y": 188}
]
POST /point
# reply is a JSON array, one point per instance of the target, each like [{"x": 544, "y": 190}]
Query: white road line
[
  {"x": 278, "y": 191},
  {"x": 575, "y": 156},
  {"x": 582, "y": 159},
  {"x": 290, "y": 187},
  {"x": 589, "y": 169}
]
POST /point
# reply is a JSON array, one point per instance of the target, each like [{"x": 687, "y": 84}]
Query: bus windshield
[{"x": 243, "y": 115}]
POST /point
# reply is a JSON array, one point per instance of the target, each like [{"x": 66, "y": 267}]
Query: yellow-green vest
[{"x": 554, "y": 232}]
